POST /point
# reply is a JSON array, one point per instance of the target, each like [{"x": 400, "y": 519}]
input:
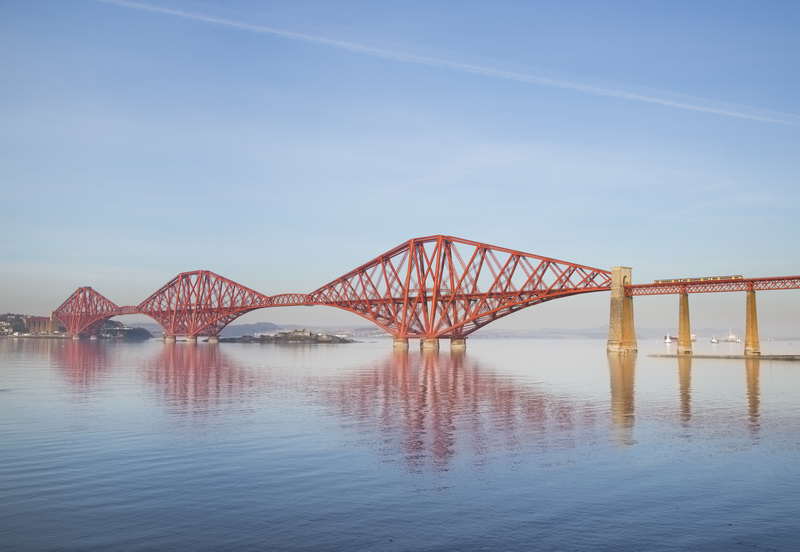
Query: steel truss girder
[
  {"x": 716, "y": 286},
  {"x": 85, "y": 311},
  {"x": 435, "y": 286},
  {"x": 442, "y": 286},
  {"x": 200, "y": 303}
]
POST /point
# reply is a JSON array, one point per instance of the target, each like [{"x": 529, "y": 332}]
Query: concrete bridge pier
[
  {"x": 752, "y": 345},
  {"x": 458, "y": 344},
  {"x": 213, "y": 339},
  {"x": 400, "y": 344},
  {"x": 191, "y": 339},
  {"x": 76, "y": 337},
  {"x": 169, "y": 339},
  {"x": 684, "y": 327},
  {"x": 621, "y": 331},
  {"x": 429, "y": 343}
]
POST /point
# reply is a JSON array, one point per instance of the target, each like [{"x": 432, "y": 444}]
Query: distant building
[
  {"x": 16, "y": 321},
  {"x": 297, "y": 333},
  {"x": 22, "y": 324},
  {"x": 38, "y": 324}
]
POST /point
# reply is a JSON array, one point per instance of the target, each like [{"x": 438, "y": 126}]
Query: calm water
[{"x": 517, "y": 445}]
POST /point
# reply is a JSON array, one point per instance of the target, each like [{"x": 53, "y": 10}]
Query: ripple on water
[{"x": 513, "y": 444}]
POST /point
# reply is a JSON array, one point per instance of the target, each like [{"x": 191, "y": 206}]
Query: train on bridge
[{"x": 698, "y": 279}]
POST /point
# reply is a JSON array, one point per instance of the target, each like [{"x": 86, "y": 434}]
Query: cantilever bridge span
[{"x": 428, "y": 288}]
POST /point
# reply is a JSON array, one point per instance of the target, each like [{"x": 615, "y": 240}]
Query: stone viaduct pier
[{"x": 621, "y": 330}]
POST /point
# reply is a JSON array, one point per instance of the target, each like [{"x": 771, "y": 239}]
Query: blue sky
[{"x": 281, "y": 144}]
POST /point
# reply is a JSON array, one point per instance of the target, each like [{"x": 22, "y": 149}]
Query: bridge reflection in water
[
  {"x": 425, "y": 407},
  {"x": 429, "y": 407},
  {"x": 84, "y": 364},
  {"x": 753, "y": 369},
  {"x": 622, "y": 373},
  {"x": 685, "y": 386},
  {"x": 201, "y": 381}
]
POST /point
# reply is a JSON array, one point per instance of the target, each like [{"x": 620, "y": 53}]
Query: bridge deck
[{"x": 716, "y": 286}]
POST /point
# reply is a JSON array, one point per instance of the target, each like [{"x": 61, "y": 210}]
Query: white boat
[
  {"x": 714, "y": 340},
  {"x": 667, "y": 338},
  {"x": 732, "y": 338}
]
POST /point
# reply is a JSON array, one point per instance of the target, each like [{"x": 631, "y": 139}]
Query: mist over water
[{"x": 515, "y": 445}]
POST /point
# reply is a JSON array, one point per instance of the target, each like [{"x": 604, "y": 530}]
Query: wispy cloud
[{"x": 702, "y": 106}]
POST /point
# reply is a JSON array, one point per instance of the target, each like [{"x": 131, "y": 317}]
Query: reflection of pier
[
  {"x": 40, "y": 347},
  {"x": 432, "y": 407},
  {"x": 195, "y": 380},
  {"x": 426, "y": 408},
  {"x": 81, "y": 364},
  {"x": 685, "y": 385},
  {"x": 752, "y": 369},
  {"x": 622, "y": 370},
  {"x": 190, "y": 379}
]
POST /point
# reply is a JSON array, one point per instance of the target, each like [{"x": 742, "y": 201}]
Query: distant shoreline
[{"x": 295, "y": 337}]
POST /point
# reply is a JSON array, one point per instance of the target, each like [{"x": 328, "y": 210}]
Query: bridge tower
[
  {"x": 752, "y": 346},
  {"x": 621, "y": 331},
  {"x": 684, "y": 325}
]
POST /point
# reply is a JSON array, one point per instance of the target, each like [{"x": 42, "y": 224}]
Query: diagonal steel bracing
[{"x": 435, "y": 286}]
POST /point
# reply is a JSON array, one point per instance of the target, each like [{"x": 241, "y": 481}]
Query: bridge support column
[
  {"x": 684, "y": 326},
  {"x": 213, "y": 340},
  {"x": 621, "y": 331},
  {"x": 400, "y": 344},
  {"x": 429, "y": 343},
  {"x": 169, "y": 339},
  {"x": 76, "y": 337},
  {"x": 191, "y": 339},
  {"x": 752, "y": 346},
  {"x": 458, "y": 344}
]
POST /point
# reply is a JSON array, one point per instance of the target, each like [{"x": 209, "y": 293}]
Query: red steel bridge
[
  {"x": 716, "y": 286},
  {"x": 430, "y": 287}
]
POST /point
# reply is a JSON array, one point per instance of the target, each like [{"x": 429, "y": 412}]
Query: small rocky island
[{"x": 291, "y": 338}]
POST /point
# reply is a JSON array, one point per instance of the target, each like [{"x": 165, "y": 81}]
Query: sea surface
[{"x": 519, "y": 444}]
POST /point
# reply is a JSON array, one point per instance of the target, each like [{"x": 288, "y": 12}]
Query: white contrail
[{"x": 457, "y": 66}]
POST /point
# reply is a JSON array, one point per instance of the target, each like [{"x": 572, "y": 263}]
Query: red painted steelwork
[
  {"x": 716, "y": 286},
  {"x": 85, "y": 311},
  {"x": 291, "y": 300},
  {"x": 442, "y": 286},
  {"x": 200, "y": 303},
  {"x": 435, "y": 286}
]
